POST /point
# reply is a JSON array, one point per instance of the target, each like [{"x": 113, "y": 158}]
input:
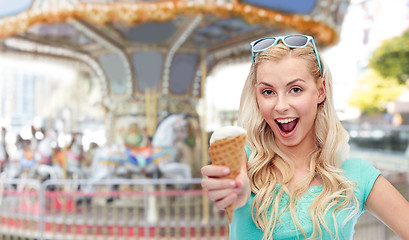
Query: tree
[
  {"x": 391, "y": 59},
  {"x": 373, "y": 92}
]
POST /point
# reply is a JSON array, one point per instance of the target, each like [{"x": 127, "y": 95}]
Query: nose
[{"x": 282, "y": 104}]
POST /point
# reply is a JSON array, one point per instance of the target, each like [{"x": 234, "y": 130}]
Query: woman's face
[{"x": 287, "y": 97}]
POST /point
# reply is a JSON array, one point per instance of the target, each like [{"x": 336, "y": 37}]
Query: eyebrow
[
  {"x": 288, "y": 84},
  {"x": 294, "y": 81}
]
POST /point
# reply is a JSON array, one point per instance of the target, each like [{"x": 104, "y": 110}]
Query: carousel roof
[{"x": 166, "y": 45}]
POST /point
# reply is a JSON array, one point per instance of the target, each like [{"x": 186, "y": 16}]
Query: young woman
[{"x": 297, "y": 182}]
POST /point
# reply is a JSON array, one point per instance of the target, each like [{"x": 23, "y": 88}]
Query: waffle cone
[{"x": 228, "y": 152}]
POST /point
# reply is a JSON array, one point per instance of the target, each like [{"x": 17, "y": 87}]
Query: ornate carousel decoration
[{"x": 152, "y": 57}]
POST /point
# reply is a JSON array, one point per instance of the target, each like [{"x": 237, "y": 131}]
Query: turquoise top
[{"x": 355, "y": 169}]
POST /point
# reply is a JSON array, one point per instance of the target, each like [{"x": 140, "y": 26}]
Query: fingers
[
  {"x": 222, "y": 197},
  {"x": 241, "y": 181},
  {"x": 215, "y": 171},
  {"x": 217, "y": 195},
  {"x": 221, "y": 191},
  {"x": 225, "y": 202},
  {"x": 217, "y": 183}
]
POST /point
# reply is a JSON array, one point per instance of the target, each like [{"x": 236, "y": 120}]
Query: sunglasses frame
[{"x": 282, "y": 38}]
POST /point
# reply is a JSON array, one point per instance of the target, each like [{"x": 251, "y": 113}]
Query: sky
[{"x": 391, "y": 18}]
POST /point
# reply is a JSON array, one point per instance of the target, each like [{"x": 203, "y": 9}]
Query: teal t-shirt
[{"x": 355, "y": 169}]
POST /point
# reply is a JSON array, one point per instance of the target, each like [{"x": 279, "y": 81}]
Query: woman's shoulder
[
  {"x": 353, "y": 163},
  {"x": 359, "y": 168},
  {"x": 363, "y": 174}
]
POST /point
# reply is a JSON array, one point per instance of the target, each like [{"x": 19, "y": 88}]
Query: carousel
[{"x": 151, "y": 59}]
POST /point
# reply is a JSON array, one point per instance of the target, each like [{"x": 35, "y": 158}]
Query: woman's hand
[{"x": 223, "y": 191}]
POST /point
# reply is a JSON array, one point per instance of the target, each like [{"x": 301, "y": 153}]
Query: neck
[
  {"x": 299, "y": 155},
  {"x": 301, "y": 160}
]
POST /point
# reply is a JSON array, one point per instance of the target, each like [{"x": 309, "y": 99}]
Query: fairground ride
[{"x": 151, "y": 58}]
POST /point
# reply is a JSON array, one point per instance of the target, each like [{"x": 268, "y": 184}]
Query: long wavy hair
[{"x": 268, "y": 165}]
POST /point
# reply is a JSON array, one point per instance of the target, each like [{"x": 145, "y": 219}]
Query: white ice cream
[{"x": 224, "y": 132}]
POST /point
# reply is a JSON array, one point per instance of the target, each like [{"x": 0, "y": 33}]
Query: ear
[{"x": 321, "y": 91}]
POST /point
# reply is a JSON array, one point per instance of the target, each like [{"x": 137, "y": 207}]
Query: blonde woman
[{"x": 297, "y": 182}]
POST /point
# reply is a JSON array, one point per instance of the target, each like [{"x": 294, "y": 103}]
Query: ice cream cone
[{"x": 226, "y": 148}]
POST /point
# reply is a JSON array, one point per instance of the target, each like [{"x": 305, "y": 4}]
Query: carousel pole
[
  {"x": 64, "y": 162},
  {"x": 64, "y": 148},
  {"x": 151, "y": 124},
  {"x": 151, "y": 100},
  {"x": 203, "y": 68}
]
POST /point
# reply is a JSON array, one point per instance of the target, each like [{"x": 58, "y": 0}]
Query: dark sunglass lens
[
  {"x": 263, "y": 44},
  {"x": 296, "y": 41}
]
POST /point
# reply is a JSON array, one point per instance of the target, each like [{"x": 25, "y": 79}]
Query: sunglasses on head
[{"x": 291, "y": 41}]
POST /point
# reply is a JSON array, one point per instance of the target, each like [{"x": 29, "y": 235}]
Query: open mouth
[{"x": 287, "y": 125}]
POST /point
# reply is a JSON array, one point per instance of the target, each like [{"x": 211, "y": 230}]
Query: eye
[
  {"x": 296, "y": 90},
  {"x": 267, "y": 92}
]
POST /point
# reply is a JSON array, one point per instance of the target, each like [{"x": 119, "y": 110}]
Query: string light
[{"x": 319, "y": 23}]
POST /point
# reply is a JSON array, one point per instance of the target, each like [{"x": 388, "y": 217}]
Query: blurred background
[{"x": 106, "y": 106}]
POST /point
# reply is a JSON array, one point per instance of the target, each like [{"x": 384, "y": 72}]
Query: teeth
[{"x": 287, "y": 120}]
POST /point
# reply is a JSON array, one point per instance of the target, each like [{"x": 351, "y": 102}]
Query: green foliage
[
  {"x": 391, "y": 59},
  {"x": 373, "y": 92}
]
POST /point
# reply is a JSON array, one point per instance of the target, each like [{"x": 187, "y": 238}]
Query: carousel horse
[
  {"x": 13, "y": 168},
  {"x": 4, "y": 156},
  {"x": 74, "y": 157},
  {"x": 106, "y": 160},
  {"x": 43, "y": 153},
  {"x": 27, "y": 161},
  {"x": 158, "y": 159},
  {"x": 22, "y": 165},
  {"x": 170, "y": 132},
  {"x": 45, "y": 168},
  {"x": 105, "y": 164}
]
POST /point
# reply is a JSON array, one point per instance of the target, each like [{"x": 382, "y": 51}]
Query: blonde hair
[{"x": 331, "y": 142}]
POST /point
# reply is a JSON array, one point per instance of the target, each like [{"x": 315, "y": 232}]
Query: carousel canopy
[{"x": 167, "y": 46}]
